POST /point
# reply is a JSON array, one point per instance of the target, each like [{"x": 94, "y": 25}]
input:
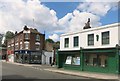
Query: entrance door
[
  {"x": 50, "y": 60},
  {"x": 112, "y": 63},
  {"x": 26, "y": 58}
]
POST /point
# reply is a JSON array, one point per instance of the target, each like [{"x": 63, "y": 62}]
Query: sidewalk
[{"x": 71, "y": 72}]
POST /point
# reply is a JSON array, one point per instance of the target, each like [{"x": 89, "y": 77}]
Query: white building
[
  {"x": 93, "y": 49},
  {"x": 95, "y": 34}
]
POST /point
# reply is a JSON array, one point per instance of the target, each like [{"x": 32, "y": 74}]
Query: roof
[{"x": 93, "y": 29}]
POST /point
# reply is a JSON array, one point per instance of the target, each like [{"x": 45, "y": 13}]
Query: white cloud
[
  {"x": 14, "y": 14},
  {"x": 101, "y": 1},
  {"x": 54, "y": 37},
  {"x": 80, "y": 18},
  {"x": 97, "y": 8},
  {"x": 76, "y": 20}
]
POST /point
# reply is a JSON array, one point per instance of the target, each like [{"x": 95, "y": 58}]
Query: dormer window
[{"x": 37, "y": 37}]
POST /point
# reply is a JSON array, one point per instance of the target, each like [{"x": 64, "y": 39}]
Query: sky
[{"x": 55, "y": 18}]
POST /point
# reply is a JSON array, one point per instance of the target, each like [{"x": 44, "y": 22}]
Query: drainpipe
[
  {"x": 82, "y": 58},
  {"x": 118, "y": 59}
]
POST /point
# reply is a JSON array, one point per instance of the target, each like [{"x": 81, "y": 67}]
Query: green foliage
[
  {"x": 49, "y": 40},
  {"x": 9, "y": 35},
  {"x": 1, "y": 37}
]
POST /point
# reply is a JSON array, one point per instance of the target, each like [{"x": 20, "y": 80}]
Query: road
[{"x": 11, "y": 71}]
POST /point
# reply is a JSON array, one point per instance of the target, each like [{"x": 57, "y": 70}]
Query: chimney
[
  {"x": 25, "y": 27},
  {"x": 87, "y": 25}
]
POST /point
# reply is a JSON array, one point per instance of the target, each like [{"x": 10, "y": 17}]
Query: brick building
[{"x": 27, "y": 46}]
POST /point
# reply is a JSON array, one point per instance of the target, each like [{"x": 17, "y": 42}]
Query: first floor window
[
  {"x": 26, "y": 45},
  {"x": 66, "y": 42},
  {"x": 16, "y": 47},
  {"x": 105, "y": 37},
  {"x": 90, "y": 39},
  {"x": 21, "y": 47},
  {"x": 76, "y": 41}
]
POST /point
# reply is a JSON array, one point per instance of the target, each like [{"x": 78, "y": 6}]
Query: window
[
  {"x": 68, "y": 60},
  {"x": 26, "y": 36},
  {"x": 96, "y": 60},
  {"x": 21, "y": 47},
  {"x": 66, "y": 42},
  {"x": 105, "y": 38},
  {"x": 37, "y": 47},
  {"x": 37, "y": 37},
  {"x": 73, "y": 60},
  {"x": 76, "y": 61},
  {"x": 76, "y": 41},
  {"x": 26, "y": 45},
  {"x": 90, "y": 39},
  {"x": 21, "y": 37},
  {"x": 16, "y": 47}
]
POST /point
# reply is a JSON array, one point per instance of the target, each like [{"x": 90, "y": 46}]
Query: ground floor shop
[
  {"x": 93, "y": 60},
  {"x": 26, "y": 56}
]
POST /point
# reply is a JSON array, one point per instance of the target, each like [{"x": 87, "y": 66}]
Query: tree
[
  {"x": 49, "y": 40},
  {"x": 1, "y": 37},
  {"x": 9, "y": 35}
]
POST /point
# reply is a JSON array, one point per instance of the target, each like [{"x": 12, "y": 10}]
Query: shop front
[
  {"x": 69, "y": 60},
  {"x": 101, "y": 60},
  {"x": 26, "y": 56},
  {"x": 105, "y": 60}
]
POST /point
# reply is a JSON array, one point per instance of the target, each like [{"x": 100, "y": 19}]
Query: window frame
[
  {"x": 90, "y": 40},
  {"x": 66, "y": 42},
  {"x": 26, "y": 36},
  {"x": 37, "y": 37},
  {"x": 105, "y": 37},
  {"x": 76, "y": 41}
]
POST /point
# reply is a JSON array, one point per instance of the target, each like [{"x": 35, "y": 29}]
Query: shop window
[
  {"x": 76, "y": 41},
  {"x": 96, "y": 60},
  {"x": 68, "y": 60},
  {"x": 66, "y": 42},
  {"x": 90, "y": 39},
  {"x": 105, "y": 37},
  {"x": 76, "y": 61},
  {"x": 72, "y": 60}
]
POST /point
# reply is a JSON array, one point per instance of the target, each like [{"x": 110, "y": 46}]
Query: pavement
[{"x": 70, "y": 72}]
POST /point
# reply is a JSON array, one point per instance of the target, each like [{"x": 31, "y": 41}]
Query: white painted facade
[
  {"x": 46, "y": 58},
  {"x": 114, "y": 37}
]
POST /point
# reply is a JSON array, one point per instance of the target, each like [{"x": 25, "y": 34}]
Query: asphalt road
[{"x": 11, "y": 71}]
